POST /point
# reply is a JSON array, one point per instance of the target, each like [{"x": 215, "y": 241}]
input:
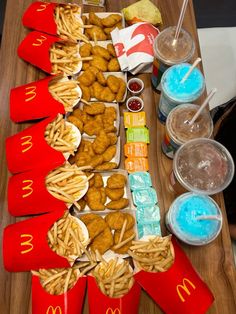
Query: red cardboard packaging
[
  {"x": 35, "y": 49},
  {"x": 40, "y": 16},
  {"x": 25, "y": 245},
  {"x": 179, "y": 289},
  {"x": 100, "y": 303},
  {"x": 68, "y": 303},
  {"x": 28, "y": 195},
  {"x": 28, "y": 149},
  {"x": 33, "y": 101}
]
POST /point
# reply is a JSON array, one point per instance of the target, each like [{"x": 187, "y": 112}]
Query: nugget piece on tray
[
  {"x": 111, "y": 20},
  {"x": 82, "y": 159},
  {"x": 111, "y": 50},
  {"x": 94, "y": 199},
  {"x": 87, "y": 78},
  {"x": 85, "y": 50},
  {"x": 103, "y": 242},
  {"x": 116, "y": 181},
  {"x": 121, "y": 92},
  {"x": 113, "y": 83},
  {"x": 98, "y": 181},
  {"x": 96, "y": 32},
  {"x": 109, "y": 153},
  {"x": 80, "y": 114},
  {"x": 113, "y": 138},
  {"x": 95, "y": 227},
  {"x": 114, "y": 194},
  {"x": 115, "y": 220},
  {"x": 99, "y": 62},
  {"x": 101, "y": 78},
  {"x": 96, "y": 161},
  {"x": 101, "y": 143},
  {"x": 85, "y": 66},
  {"x": 107, "y": 166},
  {"x": 107, "y": 95},
  {"x": 113, "y": 65},
  {"x": 119, "y": 204},
  {"x": 101, "y": 51},
  {"x": 85, "y": 92},
  {"x": 87, "y": 218},
  {"x": 103, "y": 195},
  {"x": 129, "y": 234},
  {"x": 93, "y": 128},
  {"x": 82, "y": 202},
  {"x": 77, "y": 122},
  {"x": 95, "y": 108},
  {"x": 95, "y": 20}
]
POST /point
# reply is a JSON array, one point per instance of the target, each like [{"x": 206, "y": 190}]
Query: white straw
[
  {"x": 191, "y": 69},
  {"x": 209, "y": 217},
  {"x": 180, "y": 21},
  {"x": 203, "y": 105}
]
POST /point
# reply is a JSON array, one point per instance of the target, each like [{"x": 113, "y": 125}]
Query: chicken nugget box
[
  {"x": 179, "y": 289},
  {"x": 28, "y": 149},
  {"x": 100, "y": 303},
  {"x": 28, "y": 195},
  {"x": 43, "y": 302},
  {"x": 25, "y": 244},
  {"x": 35, "y": 49},
  {"x": 33, "y": 101}
]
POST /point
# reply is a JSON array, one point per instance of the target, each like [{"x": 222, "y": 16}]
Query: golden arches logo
[
  {"x": 27, "y": 243},
  {"x": 54, "y": 310},
  {"x": 27, "y": 187},
  {"x": 26, "y": 141},
  {"x": 30, "y": 91},
  {"x": 111, "y": 311},
  {"x": 185, "y": 288},
  {"x": 39, "y": 41},
  {"x": 42, "y": 7}
]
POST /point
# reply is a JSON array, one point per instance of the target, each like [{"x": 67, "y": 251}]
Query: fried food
[
  {"x": 116, "y": 181},
  {"x": 96, "y": 161},
  {"x": 98, "y": 181},
  {"x": 95, "y": 108},
  {"x": 107, "y": 166},
  {"x": 113, "y": 138},
  {"x": 92, "y": 128},
  {"x": 88, "y": 148},
  {"x": 85, "y": 50},
  {"x": 87, "y": 78},
  {"x": 94, "y": 70},
  {"x": 97, "y": 90},
  {"x": 101, "y": 51},
  {"x": 101, "y": 78},
  {"x": 121, "y": 92},
  {"x": 77, "y": 122},
  {"x": 119, "y": 204},
  {"x": 103, "y": 242},
  {"x": 95, "y": 227},
  {"x": 103, "y": 195},
  {"x": 114, "y": 194},
  {"x": 95, "y": 20},
  {"x": 85, "y": 65},
  {"x": 128, "y": 235},
  {"x": 80, "y": 114},
  {"x": 111, "y": 20},
  {"x": 82, "y": 202},
  {"x": 82, "y": 159},
  {"x": 113, "y": 83},
  {"x": 115, "y": 220},
  {"x": 109, "y": 153},
  {"x": 111, "y": 50},
  {"x": 107, "y": 95},
  {"x": 99, "y": 63},
  {"x": 113, "y": 65},
  {"x": 94, "y": 198},
  {"x": 87, "y": 218},
  {"x": 85, "y": 92},
  {"x": 96, "y": 33},
  {"x": 101, "y": 143}
]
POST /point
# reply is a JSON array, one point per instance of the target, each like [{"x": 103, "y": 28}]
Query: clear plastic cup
[
  {"x": 184, "y": 221},
  {"x": 178, "y": 131},
  {"x": 175, "y": 92},
  {"x": 166, "y": 54},
  {"x": 202, "y": 166}
]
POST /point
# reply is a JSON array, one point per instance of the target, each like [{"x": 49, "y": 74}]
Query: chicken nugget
[
  {"x": 82, "y": 203},
  {"x": 91, "y": 182},
  {"x": 101, "y": 51},
  {"x": 109, "y": 153},
  {"x": 98, "y": 181},
  {"x": 115, "y": 220},
  {"x": 99, "y": 62},
  {"x": 109, "y": 128},
  {"x": 96, "y": 32},
  {"x": 95, "y": 108},
  {"x": 85, "y": 50},
  {"x": 87, "y": 78},
  {"x": 113, "y": 83},
  {"x": 130, "y": 221},
  {"x": 95, "y": 227},
  {"x": 97, "y": 89},
  {"x": 96, "y": 161},
  {"x": 119, "y": 204},
  {"x": 82, "y": 159},
  {"x": 87, "y": 218},
  {"x": 113, "y": 138},
  {"x": 114, "y": 194},
  {"x": 124, "y": 249},
  {"x": 93, "y": 69},
  {"x": 107, "y": 95},
  {"x": 88, "y": 148},
  {"x": 113, "y": 65},
  {"x": 84, "y": 19},
  {"x": 94, "y": 19},
  {"x": 85, "y": 92},
  {"x": 91, "y": 91},
  {"x": 77, "y": 122},
  {"x": 111, "y": 20},
  {"x": 102, "y": 242},
  {"x": 92, "y": 128},
  {"x": 121, "y": 92},
  {"x": 107, "y": 166},
  {"x": 80, "y": 114},
  {"x": 99, "y": 119},
  {"x": 111, "y": 50},
  {"x": 101, "y": 143},
  {"x": 103, "y": 195},
  {"x": 101, "y": 78},
  {"x": 116, "y": 181},
  {"x": 85, "y": 65},
  {"x": 94, "y": 199},
  {"x": 110, "y": 113}
]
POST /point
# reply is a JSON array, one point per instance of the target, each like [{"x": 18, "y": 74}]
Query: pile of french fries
[
  {"x": 153, "y": 255},
  {"x": 66, "y": 238},
  {"x": 113, "y": 278},
  {"x": 65, "y": 92},
  {"x": 68, "y": 25},
  {"x": 66, "y": 183},
  {"x": 60, "y": 135},
  {"x": 60, "y": 280}
]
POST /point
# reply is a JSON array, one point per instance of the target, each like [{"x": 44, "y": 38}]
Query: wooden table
[{"x": 214, "y": 262}]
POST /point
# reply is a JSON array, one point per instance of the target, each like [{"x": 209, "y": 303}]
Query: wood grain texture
[{"x": 214, "y": 262}]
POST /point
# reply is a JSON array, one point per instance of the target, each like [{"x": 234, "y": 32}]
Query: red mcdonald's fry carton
[
  {"x": 25, "y": 245},
  {"x": 33, "y": 101},
  {"x": 179, "y": 289},
  {"x": 28, "y": 149},
  {"x": 69, "y": 303},
  {"x": 100, "y": 303},
  {"x": 28, "y": 195},
  {"x": 35, "y": 49}
]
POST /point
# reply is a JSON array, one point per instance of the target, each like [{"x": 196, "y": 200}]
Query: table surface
[{"x": 213, "y": 262}]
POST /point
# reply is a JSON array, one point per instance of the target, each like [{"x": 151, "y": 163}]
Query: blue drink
[
  {"x": 174, "y": 92},
  {"x": 183, "y": 220}
]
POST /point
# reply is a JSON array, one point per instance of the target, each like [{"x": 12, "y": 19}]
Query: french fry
[
  {"x": 113, "y": 278},
  {"x": 155, "y": 255}
]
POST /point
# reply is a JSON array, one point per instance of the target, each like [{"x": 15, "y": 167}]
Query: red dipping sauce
[
  {"x": 135, "y": 86},
  {"x": 134, "y": 104}
]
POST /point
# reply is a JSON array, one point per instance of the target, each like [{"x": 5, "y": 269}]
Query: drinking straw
[
  {"x": 209, "y": 217},
  {"x": 195, "y": 63},
  {"x": 180, "y": 21},
  {"x": 203, "y": 105}
]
